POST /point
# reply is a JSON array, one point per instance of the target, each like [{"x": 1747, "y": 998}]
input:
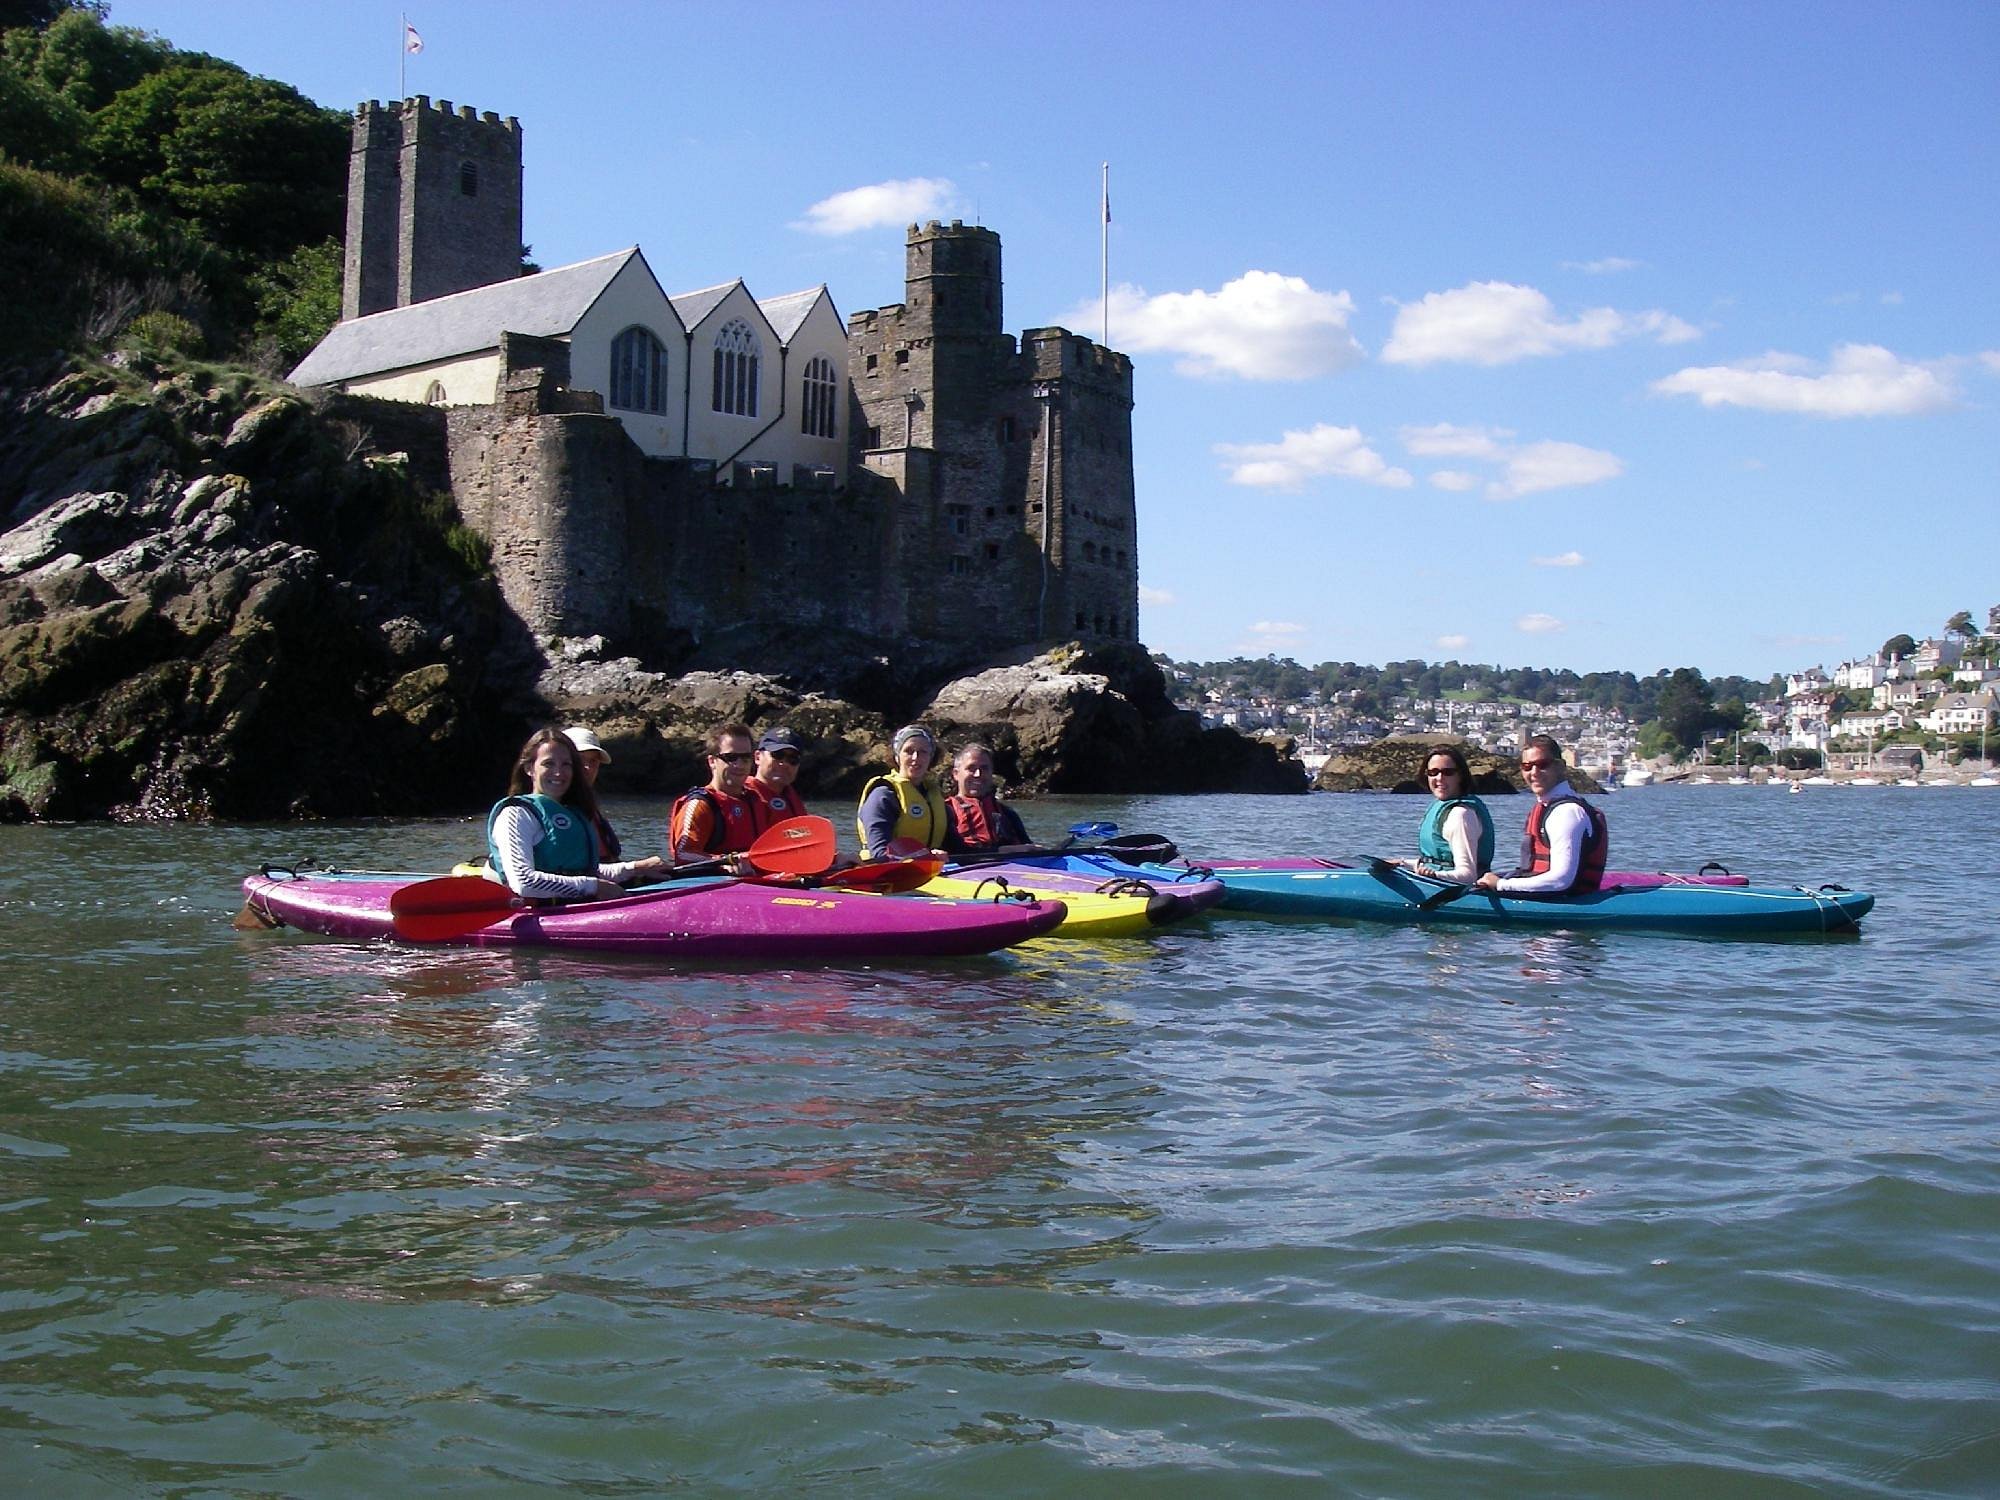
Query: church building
[{"x": 921, "y": 473}]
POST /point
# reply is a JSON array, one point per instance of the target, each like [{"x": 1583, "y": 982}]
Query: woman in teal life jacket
[
  {"x": 1455, "y": 842},
  {"x": 541, "y": 838}
]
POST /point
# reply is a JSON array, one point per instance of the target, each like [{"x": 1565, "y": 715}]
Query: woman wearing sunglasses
[{"x": 1455, "y": 842}]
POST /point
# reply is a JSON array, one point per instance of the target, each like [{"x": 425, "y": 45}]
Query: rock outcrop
[
  {"x": 220, "y": 599},
  {"x": 215, "y": 601},
  {"x": 1396, "y": 764}
]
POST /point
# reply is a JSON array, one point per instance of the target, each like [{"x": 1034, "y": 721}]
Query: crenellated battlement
[{"x": 420, "y": 104}]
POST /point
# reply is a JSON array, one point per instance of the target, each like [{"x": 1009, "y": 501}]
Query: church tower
[{"x": 433, "y": 203}]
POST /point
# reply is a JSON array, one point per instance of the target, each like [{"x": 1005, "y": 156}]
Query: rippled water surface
[{"x": 1252, "y": 1207}]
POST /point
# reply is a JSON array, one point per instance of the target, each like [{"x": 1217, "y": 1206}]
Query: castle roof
[
  {"x": 787, "y": 314},
  {"x": 548, "y": 304},
  {"x": 696, "y": 305}
]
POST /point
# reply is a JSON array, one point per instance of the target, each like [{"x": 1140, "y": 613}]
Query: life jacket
[
  {"x": 920, "y": 813},
  {"x": 732, "y": 824},
  {"x": 979, "y": 825},
  {"x": 1435, "y": 850},
  {"x": 1596, "y": 843},
  {"x": 608, "y": 846},
  {"x": 769, "y": 807},
  {"x": 568, "y": 845}
]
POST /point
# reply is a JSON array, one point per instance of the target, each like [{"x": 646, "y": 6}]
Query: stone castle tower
[
  {"x": 433, "y": 203},
  {"x": 1020, "y": 458}
]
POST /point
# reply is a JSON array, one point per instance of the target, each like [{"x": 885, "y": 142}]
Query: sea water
[{"x": 1248, "y": 1207}]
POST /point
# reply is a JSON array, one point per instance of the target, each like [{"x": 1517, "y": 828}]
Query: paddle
[
  {"x": 887, "y": 876},
  {"x": 434, "y": 911},
  {"x": 1448, "y": 891},
  {"x": 1130, "y": 848}
]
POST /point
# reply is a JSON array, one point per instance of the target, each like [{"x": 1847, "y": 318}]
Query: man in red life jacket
[
  {"x": 1567, "y": 839},
  {"x": 720, "y": 817},
  {"x": 779, "y": 751},
  {"x": 976, "y": 821}
]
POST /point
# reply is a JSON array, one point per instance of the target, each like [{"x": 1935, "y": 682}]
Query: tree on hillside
[
  {"x": 250, "y": 164},
  {"x": 38, "y": 126},
  {"x": 88, "y": 63},
  {"x": 1899, "y": 645},
  {"x": 1961, "y": 625},
  {"x": 298, "y": 301},
  {"x": 1687, "y": 711},
  {"x": 33, "y": 15}
]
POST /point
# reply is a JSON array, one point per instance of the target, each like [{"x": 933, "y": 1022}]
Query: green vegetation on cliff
[{"x": 137, "y": 180}]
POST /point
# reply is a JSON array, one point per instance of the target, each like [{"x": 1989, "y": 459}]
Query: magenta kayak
[{"x": 718, "y": 918}]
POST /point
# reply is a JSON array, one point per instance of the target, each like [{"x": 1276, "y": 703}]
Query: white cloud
[
  {"x": 1991, "y": 359},
  {"x": 1892, "y": 299},
  {"x": 1525, "y": 468},
  {"x": 1447, "y": 440},
  {"x": 1261, "y": 326},
  {"x": 1539, "y": 624},
  {"x": 1155, "y": 596},
  {"x": 1273, "y": 633},
  {"x": 1859, "y": 380},
  {"x": 1298, "y": 456},
  {"x": 1496, "y": 323},
  {"x": 1560, "y": 560},
  {"x": 1553, "y": 466},
  {"x": 1453, "y": 642},
  {"x": 880, "y": 205},
  {"x": 1609, "y": 265}
]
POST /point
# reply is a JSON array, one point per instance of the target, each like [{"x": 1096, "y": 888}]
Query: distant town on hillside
[{"x": 1938, "y": 695}]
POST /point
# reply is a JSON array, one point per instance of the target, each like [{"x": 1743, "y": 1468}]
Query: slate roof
[
  {"x": 788, "y": 312},
  {"x": 696, "y": 305},
  {"x": 548, "y": 304}
]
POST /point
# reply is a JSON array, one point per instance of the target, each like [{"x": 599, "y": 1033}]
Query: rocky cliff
[{"x": 220, "y": 599}]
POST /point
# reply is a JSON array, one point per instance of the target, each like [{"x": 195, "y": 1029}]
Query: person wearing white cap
[{"x": 593, "y": 757}]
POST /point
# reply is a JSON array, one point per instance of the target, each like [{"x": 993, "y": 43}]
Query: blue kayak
[{"x": 1386, "y": 893}]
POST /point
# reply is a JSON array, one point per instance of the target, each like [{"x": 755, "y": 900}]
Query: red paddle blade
[
  {"x": 797, "y": 846},
  {"x": 888, "y": 875},
  {"x": 435, "y": 911}
]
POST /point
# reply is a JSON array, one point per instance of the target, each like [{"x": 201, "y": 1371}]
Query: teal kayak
[{"x": 1387, "y": 893}]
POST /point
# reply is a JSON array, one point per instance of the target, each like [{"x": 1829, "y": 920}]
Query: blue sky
[{"x": 1606, "y": 336}]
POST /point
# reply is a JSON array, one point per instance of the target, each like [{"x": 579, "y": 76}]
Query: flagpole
[
  {"x": 1104, "y": 256},
  {"x": 403, "y": 56}
]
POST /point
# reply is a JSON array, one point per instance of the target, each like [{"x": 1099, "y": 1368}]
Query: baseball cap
[
  {"x": 585, "y": 741},
  {"x": 781, "y": 738}
]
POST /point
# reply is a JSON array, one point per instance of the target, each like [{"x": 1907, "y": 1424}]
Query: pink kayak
[
  {"x": 1628, "y": 879},
  {"x": 716, "y": 918}
]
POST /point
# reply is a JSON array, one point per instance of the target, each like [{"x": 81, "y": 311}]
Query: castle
[{"x": 652, "y": 468}]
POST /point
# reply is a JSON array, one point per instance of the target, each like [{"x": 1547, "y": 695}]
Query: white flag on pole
[{"x": 411, "y": 41}]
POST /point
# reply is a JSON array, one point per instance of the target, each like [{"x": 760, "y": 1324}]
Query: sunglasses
[
  {"x": 1440, "y": 770},
  {"x": 737, "y": 758},
  {"x": 1536, "y": 765},
  {"x": 789, "y": 757}
]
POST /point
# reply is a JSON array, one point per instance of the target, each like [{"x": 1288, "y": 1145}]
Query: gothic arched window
[
  {"x": 817, "y": 409},
  {"x": 468, "y": 178},
  {"x": 435, "y": 396},
  {"x": 638, "y": 371},
  {"x": 736, "y": 359}
]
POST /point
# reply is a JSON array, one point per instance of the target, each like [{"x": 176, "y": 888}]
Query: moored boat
[{"x": 699, "y": 918}]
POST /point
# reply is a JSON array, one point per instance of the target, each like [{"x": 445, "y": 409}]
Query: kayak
[
  {"x": 1387, "y": 893},
  {"x": 1100, "y": 905},
  {"x": 699, "y": 918},
  {"x": 1229, "y": 865}
]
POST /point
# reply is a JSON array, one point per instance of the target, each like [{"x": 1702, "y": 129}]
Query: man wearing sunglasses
[
  {"x": 720, "y": 817},
  {"x": 779, "y": 752},
  {"x": 1567, "y": 840}
]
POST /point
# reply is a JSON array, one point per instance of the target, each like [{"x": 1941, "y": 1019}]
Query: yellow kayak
[{"x": 1091, "y": 914}]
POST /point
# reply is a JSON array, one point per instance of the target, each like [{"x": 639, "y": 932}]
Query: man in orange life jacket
[
  {"x": 1567, "y": 839},
  {"x": 977, "y": 822},
  {"x": 720, "y": 817}
]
